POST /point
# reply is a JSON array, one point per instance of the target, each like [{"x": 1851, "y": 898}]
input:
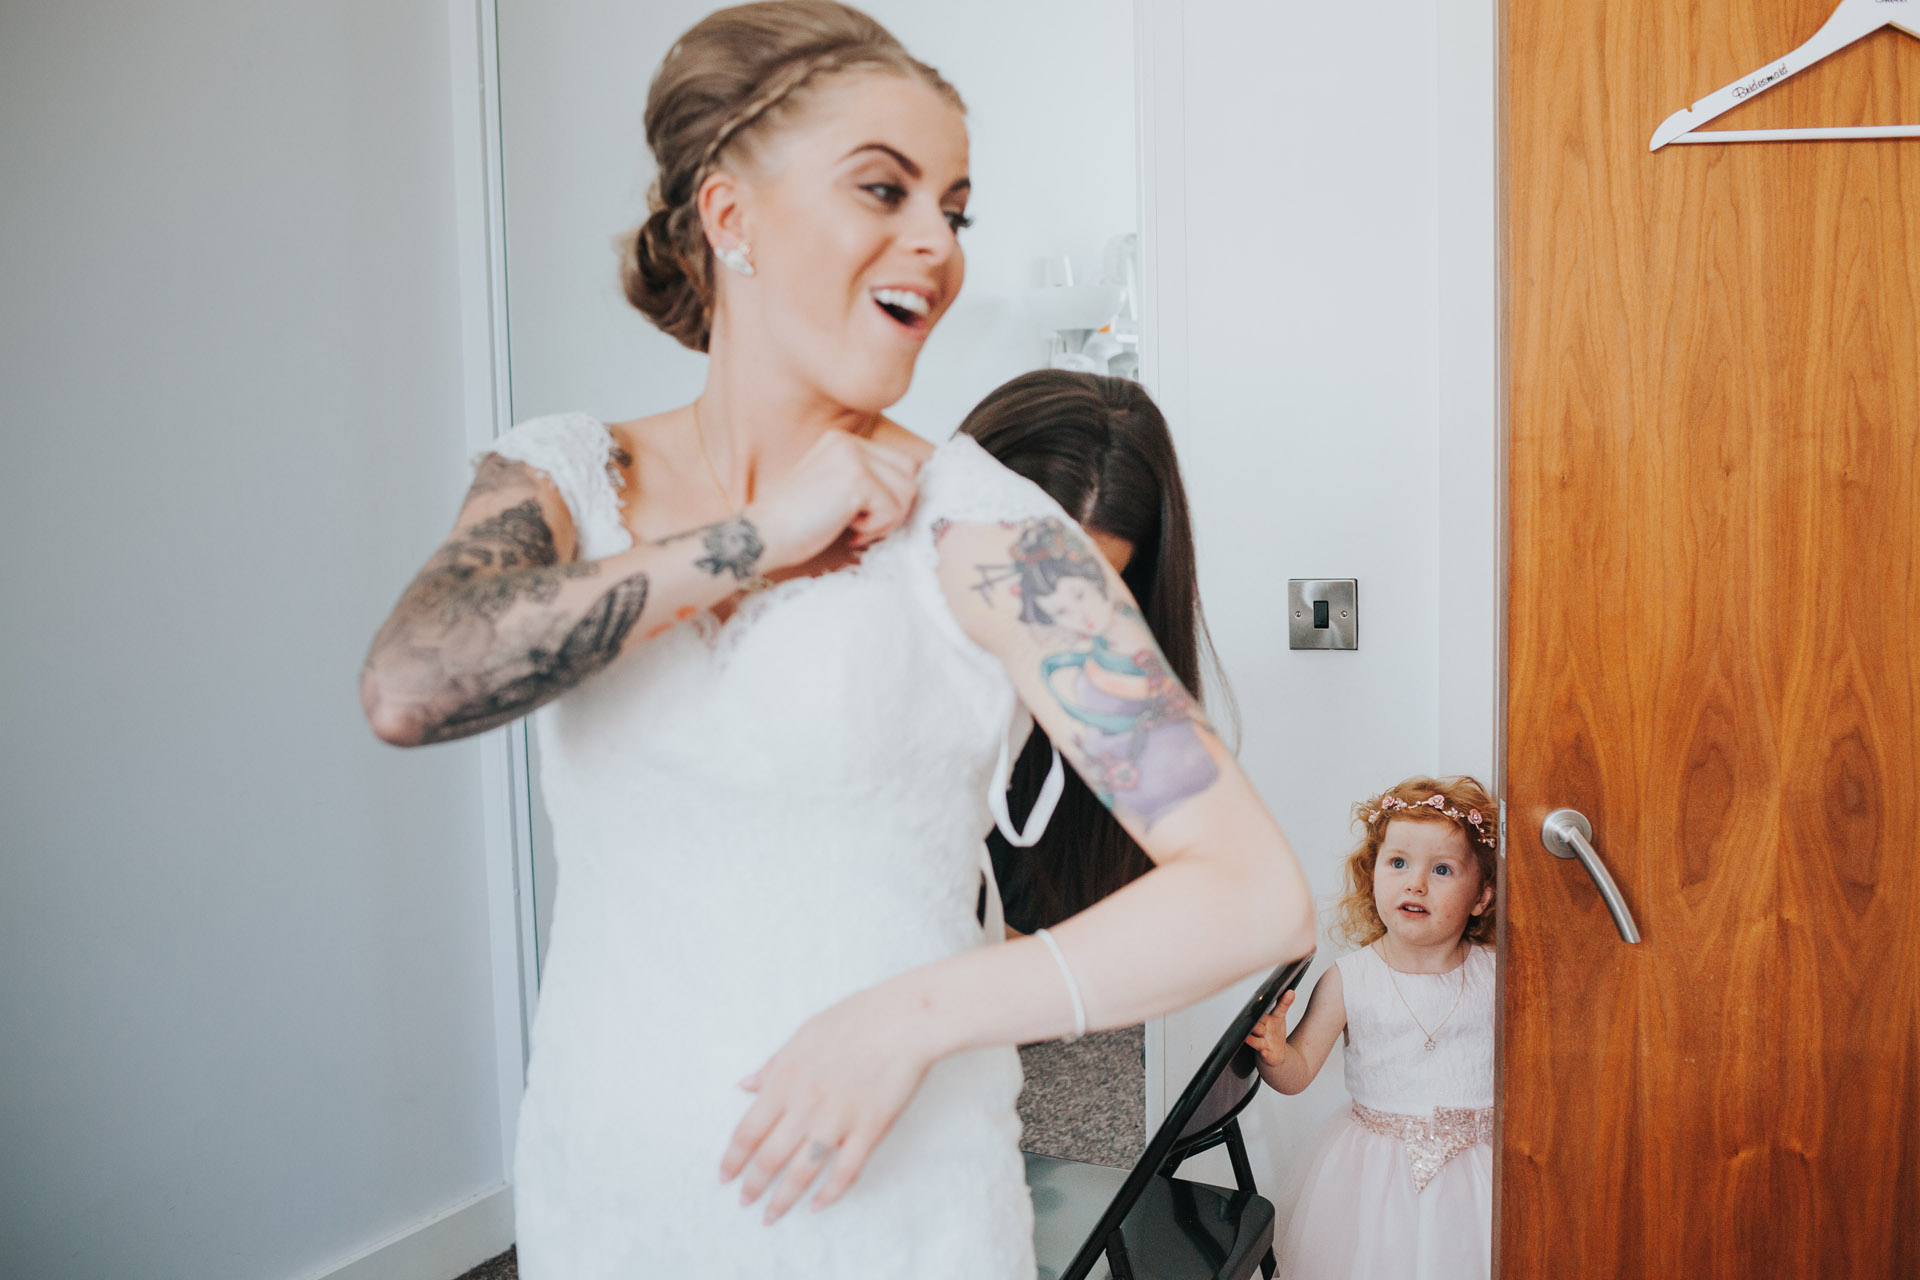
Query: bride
[{"x": 781, "y": 646}]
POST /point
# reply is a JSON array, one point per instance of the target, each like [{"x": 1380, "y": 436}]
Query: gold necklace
[
  {"x": 758, "y": 581},
  {"x": 1458, "y": 996},
  {"x": 701, "y": 437}
]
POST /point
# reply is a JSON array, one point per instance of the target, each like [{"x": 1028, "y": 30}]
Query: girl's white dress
[
  {"x": 753, "y": 821},
  {"x": 1401, "y": 1187}
]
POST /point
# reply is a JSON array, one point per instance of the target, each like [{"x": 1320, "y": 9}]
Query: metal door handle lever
[{"x": 1568, "y": 834}]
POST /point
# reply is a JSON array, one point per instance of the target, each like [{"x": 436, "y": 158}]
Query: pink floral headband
[{"x": 1438, "y": 803}]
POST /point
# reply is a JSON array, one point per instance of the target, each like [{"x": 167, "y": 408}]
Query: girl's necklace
[{"x": 1416, "y": 1017}]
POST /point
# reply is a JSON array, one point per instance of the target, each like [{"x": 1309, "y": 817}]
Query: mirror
[{"x": 1305, "y": 373}]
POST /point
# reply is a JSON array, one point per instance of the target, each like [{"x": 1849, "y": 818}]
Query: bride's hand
[
  {"x": 843, "y": 484},
  {"x": 830, "y": 1094}
]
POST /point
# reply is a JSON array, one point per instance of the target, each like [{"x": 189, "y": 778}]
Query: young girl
[{"x": 1402, "y": 1185}]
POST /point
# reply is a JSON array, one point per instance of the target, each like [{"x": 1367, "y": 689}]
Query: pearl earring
[{"x": 736, "y": 259}]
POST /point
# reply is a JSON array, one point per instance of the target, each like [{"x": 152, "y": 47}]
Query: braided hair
[{"x": 725, "y": 84}]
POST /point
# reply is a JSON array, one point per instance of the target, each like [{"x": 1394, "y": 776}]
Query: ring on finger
[{"x": 806, "y": 1169}]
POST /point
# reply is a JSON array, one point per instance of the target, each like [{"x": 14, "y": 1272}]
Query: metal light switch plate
[{"x": 1323, "y": 613}]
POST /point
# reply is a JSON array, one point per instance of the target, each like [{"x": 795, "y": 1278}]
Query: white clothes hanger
[{"x": 1853, "y": 21}]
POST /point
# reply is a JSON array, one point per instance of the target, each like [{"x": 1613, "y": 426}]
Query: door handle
[{"x": 1568, "y": 834}]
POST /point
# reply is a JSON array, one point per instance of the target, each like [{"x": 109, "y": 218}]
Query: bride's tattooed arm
[
  {"x": 1226, "y": 897},
  {"x": 502, "y": 619},
  {"x": 1040, "y": 593}
]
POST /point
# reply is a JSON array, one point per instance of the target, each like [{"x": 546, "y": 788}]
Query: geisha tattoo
[{"x": 1138, "y": 744}]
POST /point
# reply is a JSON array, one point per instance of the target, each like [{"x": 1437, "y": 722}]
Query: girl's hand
[
  {"x": 843, "y": 484},
  {"x": 1270, "y": 1033},
  {"x": 828, "y": 1096}
]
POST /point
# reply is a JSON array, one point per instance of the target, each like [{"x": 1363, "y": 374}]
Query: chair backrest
[
  {"x": 1211, "y": 1098},
  {"x": 1229, "y": 1094}
]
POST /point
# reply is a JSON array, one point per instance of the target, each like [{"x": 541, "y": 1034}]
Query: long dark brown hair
[{"x": 1101, "y": 449}]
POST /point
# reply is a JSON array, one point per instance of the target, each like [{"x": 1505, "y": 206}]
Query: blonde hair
[
  {"x": 1478, "y": 818},
  {"x": 731, "y": 76}
]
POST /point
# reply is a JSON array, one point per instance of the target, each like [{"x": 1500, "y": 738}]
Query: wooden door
[{"x": 1714, "y": 396}]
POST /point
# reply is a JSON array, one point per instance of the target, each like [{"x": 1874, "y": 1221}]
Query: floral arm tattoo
[
  {"x": 483, "y": 636},
  {"x": 731, "y": 546},
  {"x": 1137, "y": 731}
]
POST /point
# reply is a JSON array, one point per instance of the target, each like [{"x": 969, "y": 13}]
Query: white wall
[
  {"x": 1050, "y": 92},
  {"x": 244, "y": 950},
  {"x": 1303, "y": 159}
]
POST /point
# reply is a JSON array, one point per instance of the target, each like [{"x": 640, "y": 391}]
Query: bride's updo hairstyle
[{"x": 728, "y": 82}]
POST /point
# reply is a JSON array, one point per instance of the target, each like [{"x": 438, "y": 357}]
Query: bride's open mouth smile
[{"x": 911, "y": 309}]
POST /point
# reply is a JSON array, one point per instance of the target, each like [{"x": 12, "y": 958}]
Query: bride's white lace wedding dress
[{"x": 752, "y": 821}]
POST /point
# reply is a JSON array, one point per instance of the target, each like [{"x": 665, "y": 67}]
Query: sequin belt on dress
[{"x": 1431, "y": 1140}]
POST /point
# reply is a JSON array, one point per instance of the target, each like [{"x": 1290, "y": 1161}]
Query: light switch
[{"x": 1323, "y": 613}]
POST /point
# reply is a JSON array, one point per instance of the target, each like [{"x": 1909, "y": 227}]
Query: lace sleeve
[
  {"x": 964, "y": 484},
  {"x": 571, "y": 450}
]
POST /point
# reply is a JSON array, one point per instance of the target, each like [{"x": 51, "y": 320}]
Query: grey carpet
[
  {"x": 1083, "y": 1101},
  {"x": 1086, "y": 1101},
  {"x": 504, "y": 1267}
]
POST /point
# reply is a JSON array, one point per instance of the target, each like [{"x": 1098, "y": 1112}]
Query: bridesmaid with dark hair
[{"x": 1101, "y": 449}]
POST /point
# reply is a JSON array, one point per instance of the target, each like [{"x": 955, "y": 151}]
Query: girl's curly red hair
[{"x": 1461, "y": 802}]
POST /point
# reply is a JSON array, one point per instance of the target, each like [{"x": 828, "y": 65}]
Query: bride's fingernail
[{"x": 749, "y": 1082}]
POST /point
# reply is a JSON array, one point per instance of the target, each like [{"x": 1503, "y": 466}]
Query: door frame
[
  {"x": 1471, "y": 469},
  {"x": 1159, "y": 133},
  {"x": 479, "y": 200}
]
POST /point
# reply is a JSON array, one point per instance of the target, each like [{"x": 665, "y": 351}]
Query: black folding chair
[{"x": 1148, "y": 1224}]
